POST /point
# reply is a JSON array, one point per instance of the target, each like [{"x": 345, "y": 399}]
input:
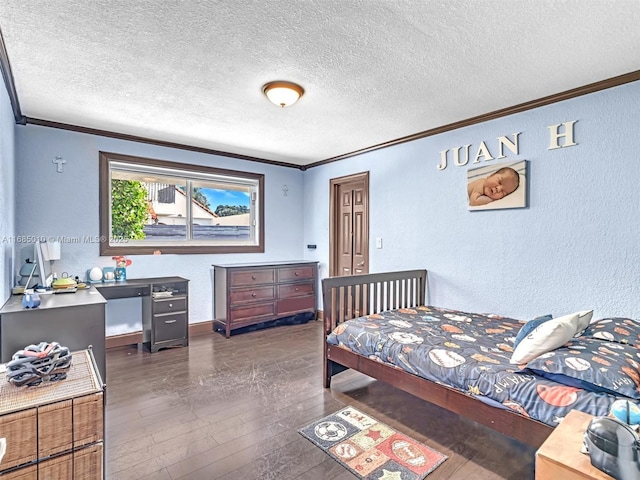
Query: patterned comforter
[{"x": 469, "y": 352}]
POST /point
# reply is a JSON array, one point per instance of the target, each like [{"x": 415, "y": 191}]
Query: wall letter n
[{"x": 555, "y": 135}]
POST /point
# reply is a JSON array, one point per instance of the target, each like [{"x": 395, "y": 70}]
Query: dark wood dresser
[{"x": 248, "y": 294}]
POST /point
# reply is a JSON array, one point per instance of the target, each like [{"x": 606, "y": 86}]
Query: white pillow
[
  {"x": 584, "y": 319},
  {"x": 546, "y": 337}
]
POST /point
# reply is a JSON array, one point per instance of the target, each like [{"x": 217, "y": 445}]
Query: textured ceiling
[{"x": 191, "y": 72}]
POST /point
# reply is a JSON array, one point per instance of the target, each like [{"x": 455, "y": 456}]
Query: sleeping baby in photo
[{"x": 494, "y": 187}]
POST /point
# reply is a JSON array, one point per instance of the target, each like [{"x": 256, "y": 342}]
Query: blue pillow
[{"x": 529, "y": 326}]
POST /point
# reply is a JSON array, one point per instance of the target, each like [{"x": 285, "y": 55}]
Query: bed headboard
[{"x": 357, "y": 295}]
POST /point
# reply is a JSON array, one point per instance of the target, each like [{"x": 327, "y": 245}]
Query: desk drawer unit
[
  {"x": 118, "y": 291},
  {"x": 166, "y": 310},
  {"x": 170, "y": 305},
  {"x": 169, "y": 326},
  {"x": 249, "y": 294}
]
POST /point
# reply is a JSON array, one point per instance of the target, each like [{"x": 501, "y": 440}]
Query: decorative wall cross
[{"x": 59, "y": 161}]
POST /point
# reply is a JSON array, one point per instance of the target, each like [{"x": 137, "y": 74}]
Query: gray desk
[
  {"x": 75, "y": 320},
  {"x": 165, "y": 321}
]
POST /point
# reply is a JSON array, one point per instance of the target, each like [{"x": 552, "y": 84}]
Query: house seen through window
[{"x": 152, "y": 206}]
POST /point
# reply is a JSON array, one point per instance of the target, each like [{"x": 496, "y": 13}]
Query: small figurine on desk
[
  {"x": 30, "y": 299},
  {"x": 108, "y": 274},
  {"x": 121, "y": 267}
]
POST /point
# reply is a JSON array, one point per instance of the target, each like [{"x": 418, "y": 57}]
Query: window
[{"x": 152, "y": 205}]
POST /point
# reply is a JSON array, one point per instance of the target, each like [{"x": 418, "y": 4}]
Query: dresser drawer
[
  {"x": 252, "y": 312},
  {"x": 295, "y": 290},
  {"x": 169, "y": 326},
  {"x": 171, "y": 304},
  {"x": 244, "y": 295},
  {"x": 56, "y": 417},
  {"x": 303, "y": 272},
  {"x": 296, "y": 304},
  {"x": 21, "y": 431},
  {"x": 252, "y": 277},
  {"x": 24, "y": 473},
  {"x": 83, "y": 464}
]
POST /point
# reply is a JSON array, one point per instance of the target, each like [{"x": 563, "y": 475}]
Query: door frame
[{"x": 334, "y": 217}]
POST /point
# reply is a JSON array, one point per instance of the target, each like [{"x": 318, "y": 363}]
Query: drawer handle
[
  {"x": 253, "y": 295},
  {"x": 297, "y": 289},
  {"x": 170, "y": 305},
  {"x": 296, "y": 274},
  {"x": 253, "y": 277},
  {"x": 170, "y": 321}
]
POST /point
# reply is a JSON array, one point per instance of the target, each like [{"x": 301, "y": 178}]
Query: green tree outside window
[{"x": 129, "y": 209}]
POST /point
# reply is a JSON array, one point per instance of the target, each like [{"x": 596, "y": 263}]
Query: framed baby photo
[{"x": 497, "y": 186}]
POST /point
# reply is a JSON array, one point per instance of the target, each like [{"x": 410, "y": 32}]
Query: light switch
[{"x": 378, "y": 242}]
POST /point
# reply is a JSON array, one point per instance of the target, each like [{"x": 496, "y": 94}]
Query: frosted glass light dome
[{"x": 283, "y": 94}]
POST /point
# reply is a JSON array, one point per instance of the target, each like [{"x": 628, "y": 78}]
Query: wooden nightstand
[{"x": 560, "y": 456}]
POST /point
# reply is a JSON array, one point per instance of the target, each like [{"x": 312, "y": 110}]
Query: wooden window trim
[{"x": 124, "y": 249}]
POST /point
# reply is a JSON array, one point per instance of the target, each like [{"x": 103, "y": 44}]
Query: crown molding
[
  {"x": 522, "y": 107},
  {"x": 161, "y": 143},
  {"x": 5, "y": 67}
]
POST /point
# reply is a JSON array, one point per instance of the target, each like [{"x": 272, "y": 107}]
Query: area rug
[{"x": 370, "y": 449}]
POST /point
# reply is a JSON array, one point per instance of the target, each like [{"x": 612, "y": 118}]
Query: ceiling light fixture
[{"x": 283, "y": 94}]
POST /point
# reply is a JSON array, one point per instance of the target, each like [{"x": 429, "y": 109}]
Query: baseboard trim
[
  {"x": 199, "y": 328},
  {"x": 114, "y": 341}
]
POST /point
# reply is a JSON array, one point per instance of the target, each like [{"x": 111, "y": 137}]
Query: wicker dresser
[{"x": 55, "y": 430}]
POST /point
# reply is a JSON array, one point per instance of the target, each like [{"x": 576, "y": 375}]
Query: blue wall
[
  {"x": 7, "y": 194},
  {"x": 575, "y": 247},
  {"x": 66, "y": 204}
]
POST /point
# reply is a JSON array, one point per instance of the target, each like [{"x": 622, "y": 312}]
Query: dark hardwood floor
[{"x": 230, "y": 409}]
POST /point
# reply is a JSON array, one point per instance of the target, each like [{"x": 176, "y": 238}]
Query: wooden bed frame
[{"x": 353, "y": 296}]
